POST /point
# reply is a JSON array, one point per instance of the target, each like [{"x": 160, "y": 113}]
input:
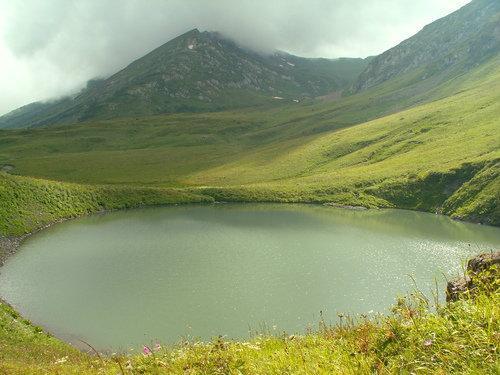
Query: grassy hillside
[
  {"x": 416, "y": 158},
  {"x": 441, "y": 155},
  {"x": 27, "y": 204},
  {"x": 460, "y": 338}
]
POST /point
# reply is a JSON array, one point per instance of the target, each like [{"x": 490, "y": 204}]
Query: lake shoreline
[{"x": 9, "y": 245}]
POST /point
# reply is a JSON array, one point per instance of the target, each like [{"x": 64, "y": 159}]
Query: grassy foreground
[{"x": 460, "y": 337}]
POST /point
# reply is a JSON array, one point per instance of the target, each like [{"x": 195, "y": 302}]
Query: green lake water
[{"x": 123, "y": 279}]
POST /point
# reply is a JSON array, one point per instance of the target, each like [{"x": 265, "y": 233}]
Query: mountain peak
[
  {"x": 193, "y": 33},
  {"x": 196, "y": 71}
]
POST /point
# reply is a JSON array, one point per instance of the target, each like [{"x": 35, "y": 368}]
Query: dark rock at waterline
[
  {"x": 457, "y": 287},
  {"x": 479, "y": 263},
  {"x": 483, "y": 262}
]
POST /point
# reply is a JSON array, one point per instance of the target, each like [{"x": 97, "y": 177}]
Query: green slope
[{"x": 420, "y": 158}]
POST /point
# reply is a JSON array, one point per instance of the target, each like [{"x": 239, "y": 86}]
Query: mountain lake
[{"x": 124, "y": 279}]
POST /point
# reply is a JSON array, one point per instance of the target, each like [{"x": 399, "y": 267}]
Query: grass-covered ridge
[
  {"x": 27, "y": 204},
  {"x": 459, "y": 337},
  {"x": 438, "y": 156}
]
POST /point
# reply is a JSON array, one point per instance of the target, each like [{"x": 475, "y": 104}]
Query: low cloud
[{"x": 50, "y": 48}]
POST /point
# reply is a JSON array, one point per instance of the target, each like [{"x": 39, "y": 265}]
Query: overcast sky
[{"x": 49, "y": 48}]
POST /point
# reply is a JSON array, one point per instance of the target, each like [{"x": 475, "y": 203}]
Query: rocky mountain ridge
[
  {"x": 196, "y": 71},
  {"x": 445, "y": 48}
]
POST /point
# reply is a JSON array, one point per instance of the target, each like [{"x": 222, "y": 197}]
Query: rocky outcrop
[
  {"x": 483, "y": 262},
  {"x": 465, "y": 284}
]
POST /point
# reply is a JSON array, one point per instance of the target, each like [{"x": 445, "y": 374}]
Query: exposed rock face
[
  {"x": 475, "y": 265},
  {"x": 446, "y": 47}
]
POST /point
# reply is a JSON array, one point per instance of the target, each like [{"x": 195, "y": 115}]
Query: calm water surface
[{"x": 124, "y": 279}]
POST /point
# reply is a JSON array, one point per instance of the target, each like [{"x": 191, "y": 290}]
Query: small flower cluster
[{"x": 146, "y": 350}]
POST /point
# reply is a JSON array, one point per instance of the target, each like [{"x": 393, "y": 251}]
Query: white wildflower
[{"x": 61, "y": 360}]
